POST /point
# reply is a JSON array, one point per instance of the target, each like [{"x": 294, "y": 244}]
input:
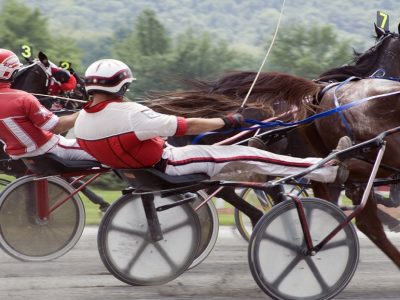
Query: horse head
[
  {"x": 32, "y": 78},
  {"x": 381, "y": 60},
  {"x": 35, "y": 78}
]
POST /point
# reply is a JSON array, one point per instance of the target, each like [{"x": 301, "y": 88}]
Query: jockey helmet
[
  {"x": 61, "y": 75},
  {"x": 108, "y": 75},
  {"x": 9, "y": 64}
]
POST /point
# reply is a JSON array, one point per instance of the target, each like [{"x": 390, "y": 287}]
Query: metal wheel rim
[
  {"x": 242, "y": 222},
  {"x": 209, "y": 222},
  {"x": 127, "y": 252},
  {"x": 278, "y": 264},
  {"x": 24, "y": 236}
]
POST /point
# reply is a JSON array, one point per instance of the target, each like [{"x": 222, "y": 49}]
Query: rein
[
  {"x": 59, "y": 97},
  {"x": 45, "y": 95},
  {"x": 261, "y": 124},
  {"x": 322, "y": 114},
  {"x": 378, "y": 74}
]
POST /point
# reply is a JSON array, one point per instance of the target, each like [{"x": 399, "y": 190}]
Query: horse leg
[
  {"x": 329, "y": 192},
  {"x": 92, "y": 196},
  {"x": 229, "y": 195},
  {"x": 392, "y": 223},
  {"x": 367, "y": 221},
  {"x": 388, "y": 202}
]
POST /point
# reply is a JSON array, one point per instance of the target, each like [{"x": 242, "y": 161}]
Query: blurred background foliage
[{"x": 170, "y": 40}]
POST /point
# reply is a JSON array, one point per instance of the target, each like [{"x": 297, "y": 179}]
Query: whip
[{"x": 266, "y": 55}]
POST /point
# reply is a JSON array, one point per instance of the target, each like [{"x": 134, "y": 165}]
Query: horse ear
[
  {"x": 379, "y": 31},
  {"x": 43, "y": 58}
]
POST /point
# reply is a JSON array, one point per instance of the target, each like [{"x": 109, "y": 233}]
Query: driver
[
  {"x": 128, "y": 135},
  {"x": 26, "y": 127},
  {"x": 62, "y": 81}
]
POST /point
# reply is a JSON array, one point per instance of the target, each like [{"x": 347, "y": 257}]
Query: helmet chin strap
[{"x": 266, "y": 55}]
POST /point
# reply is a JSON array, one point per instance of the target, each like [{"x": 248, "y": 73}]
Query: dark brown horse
[
  {"x": 366, "y": 121},
  {"x": 277, "y": 93}
]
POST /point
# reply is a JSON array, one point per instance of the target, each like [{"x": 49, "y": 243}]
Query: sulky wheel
[
  {"x": 277, "y": 252},
  {"x": 262, "y": 201},
  {"x": 27, "y": 237},
  {"x": 129, "y": 251},
  {"x": 209, "y": 223}
]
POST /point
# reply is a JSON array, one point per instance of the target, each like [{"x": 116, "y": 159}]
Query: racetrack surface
[{"x": 223, "y": 275}]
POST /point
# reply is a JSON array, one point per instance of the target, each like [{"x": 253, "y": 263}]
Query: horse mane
[
  {"x": 360, "y": 66},
  {"x": 274, "y": 93}
]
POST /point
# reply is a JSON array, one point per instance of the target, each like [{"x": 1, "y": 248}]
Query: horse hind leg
[
  {"x": 92, "y": 196},
  {"x": 392, "y": 223},
  {"x": 229, "y": 195},
  {"x": 367, "y": 221}
]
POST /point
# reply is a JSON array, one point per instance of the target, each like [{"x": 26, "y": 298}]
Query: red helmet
[
  {"x": 108, "y": 75},
  {"x": 9, "y": 64}
]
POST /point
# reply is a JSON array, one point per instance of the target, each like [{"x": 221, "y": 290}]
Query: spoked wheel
[
  {"x": 262, "y": 201},
  {"x": 24, "y": 235},
  {"x": 129, "y": 252},
  {"x": 277, "y": 257},
  {"x": 209, "y": 223}
]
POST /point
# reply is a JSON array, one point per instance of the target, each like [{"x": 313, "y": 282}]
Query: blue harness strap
[
  {"x": 323, "y": 114},
  {"x": 341, "y": 114}
]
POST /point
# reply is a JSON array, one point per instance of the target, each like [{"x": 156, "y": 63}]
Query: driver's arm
[
  {"x": 65, "y": 123},
  {"x": 200, "y": 125}
]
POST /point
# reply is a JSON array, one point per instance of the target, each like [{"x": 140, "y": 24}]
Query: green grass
[
  {"x": 226, "y": 219},
  {"x": 93, "y": 213}
]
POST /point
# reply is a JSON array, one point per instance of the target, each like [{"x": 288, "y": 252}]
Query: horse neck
[
  {"x": 383, "y": 58},
  {"x": 390, "y": 64}
]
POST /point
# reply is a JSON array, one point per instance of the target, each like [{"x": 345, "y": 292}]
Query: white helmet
[
  {"x": 108, "y": 75},
  {"x": 9, "y": 64}
]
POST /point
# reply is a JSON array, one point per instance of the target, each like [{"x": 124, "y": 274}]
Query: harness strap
[
  {"x": 261, "y": 124},
  {"x": 341, "y": 114}
]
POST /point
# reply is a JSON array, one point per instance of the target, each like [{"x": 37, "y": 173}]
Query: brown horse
[
  {"x": 213, "y": 99},
  {"x": 277, "y": 93},
  {"x": 366, "y": 121}
]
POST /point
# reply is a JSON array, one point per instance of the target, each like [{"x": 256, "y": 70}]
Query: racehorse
[
  {"x": 281, "y": 93},
  {"x": 34, "y": 79}
]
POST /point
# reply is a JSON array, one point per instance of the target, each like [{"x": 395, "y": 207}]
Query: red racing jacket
[
  {"x": 125, "y": 134},
  {"x": 25, "y": 123}
]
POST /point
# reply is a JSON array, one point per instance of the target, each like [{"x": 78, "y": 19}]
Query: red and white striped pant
[
  {"x": 70, "y": 149},
  {"x": 214, "y": 160}
]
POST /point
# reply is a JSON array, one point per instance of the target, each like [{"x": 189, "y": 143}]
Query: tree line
[{"x": 161, "y": 60}]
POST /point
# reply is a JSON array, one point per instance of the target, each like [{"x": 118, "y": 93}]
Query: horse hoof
[
  {"x": 395, "y": 228},
  {"x": 103, "y": 207}
]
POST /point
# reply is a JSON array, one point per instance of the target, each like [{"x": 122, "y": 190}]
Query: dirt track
[{"x": 223, "y": 275}]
